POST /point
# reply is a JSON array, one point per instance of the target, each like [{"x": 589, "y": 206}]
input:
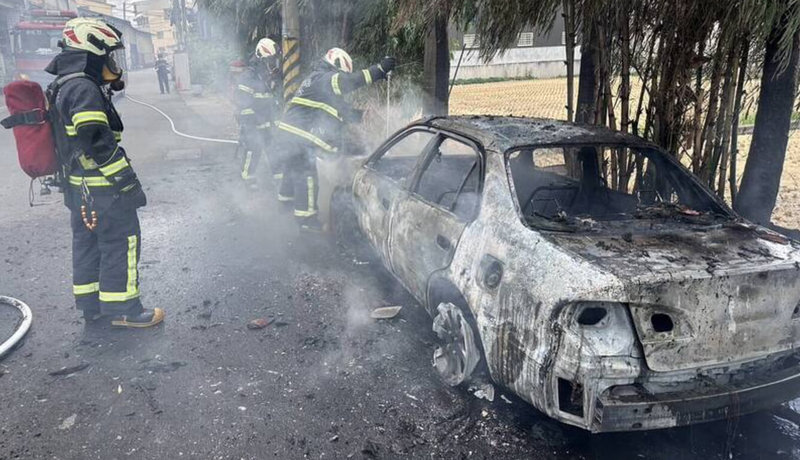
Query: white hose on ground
[
  {"x": 22, "y": 329},
  {"x": 174, "y": 130}
]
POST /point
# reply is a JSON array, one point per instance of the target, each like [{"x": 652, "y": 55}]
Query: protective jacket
[
  {"x": 256, "y": 100},
  {"x": 87, "y": 129},
  {"x": 317, "y": 113},
  {"x": 103, "y": 192}
]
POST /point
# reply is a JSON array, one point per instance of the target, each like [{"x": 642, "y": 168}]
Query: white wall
[{"x": 539, "y": 62}]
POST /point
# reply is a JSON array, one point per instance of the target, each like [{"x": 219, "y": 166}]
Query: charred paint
[{"x": 696, "y": 314}]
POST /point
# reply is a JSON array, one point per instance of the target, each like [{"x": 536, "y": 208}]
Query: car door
[
  {"x": 384, "y": 178},
  {"x": 428, "y": 221}
]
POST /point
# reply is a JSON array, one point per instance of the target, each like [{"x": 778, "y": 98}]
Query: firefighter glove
[{"x": 387, "y": 64}]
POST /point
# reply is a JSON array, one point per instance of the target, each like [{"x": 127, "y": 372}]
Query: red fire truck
[{"x": 35, "y": 41}]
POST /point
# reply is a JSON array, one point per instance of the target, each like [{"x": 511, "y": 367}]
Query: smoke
[{"x": 384, "y": 116}]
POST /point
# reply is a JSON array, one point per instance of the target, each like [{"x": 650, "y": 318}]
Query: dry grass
[{"x": 547, "y": 99}]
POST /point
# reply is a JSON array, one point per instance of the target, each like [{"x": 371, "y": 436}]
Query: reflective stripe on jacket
[{"x": 318, "y": 111}]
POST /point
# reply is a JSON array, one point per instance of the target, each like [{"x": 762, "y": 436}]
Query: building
[
  {"x": 96, "y": 6},
  {"x": 155, "y": 16},
  {"x": 534, "y": 56}
]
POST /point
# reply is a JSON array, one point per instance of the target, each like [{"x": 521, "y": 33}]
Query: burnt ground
[{"x": 322, "y": 381}]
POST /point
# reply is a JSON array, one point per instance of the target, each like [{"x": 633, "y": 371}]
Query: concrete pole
[{"x": 291, "y": 48}]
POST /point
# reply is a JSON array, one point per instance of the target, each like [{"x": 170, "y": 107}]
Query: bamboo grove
[{"x": 682, "y": 73}]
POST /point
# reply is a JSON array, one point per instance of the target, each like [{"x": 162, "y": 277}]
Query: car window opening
[
  {"x": 451, "y": 179},
  {"x": 567, "y": 188}
]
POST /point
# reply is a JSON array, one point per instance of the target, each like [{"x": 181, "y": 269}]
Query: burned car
[{"x": 586, "y": 270}]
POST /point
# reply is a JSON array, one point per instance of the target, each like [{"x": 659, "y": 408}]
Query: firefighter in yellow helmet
[
  {"x": 258, "y": 104},
  {"x": 313, "y": 124},
  {"x": 101, "y": 189}
]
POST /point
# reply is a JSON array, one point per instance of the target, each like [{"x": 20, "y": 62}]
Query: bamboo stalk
[
  {"x": 569, "y": 31},
  {"x": 737, "y": 110},
  {"x": 728, "y": 95}
]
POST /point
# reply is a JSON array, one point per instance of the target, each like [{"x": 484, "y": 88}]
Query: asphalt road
[{"x": 322, "y": 381}]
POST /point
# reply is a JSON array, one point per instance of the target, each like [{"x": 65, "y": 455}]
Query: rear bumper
[{"x": 646, "y": 412}]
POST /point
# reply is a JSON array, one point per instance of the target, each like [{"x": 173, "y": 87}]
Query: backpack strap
[
  {"x": 54, "y": 87},
  {"x": 54, "y": 116},
  {"x": 31, "y": 117}
]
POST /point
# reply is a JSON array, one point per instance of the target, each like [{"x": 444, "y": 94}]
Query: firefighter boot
[{"x": 147, "y": 318}]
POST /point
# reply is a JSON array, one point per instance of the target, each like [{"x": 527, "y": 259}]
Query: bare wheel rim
[{"x": 457, "y": 355}]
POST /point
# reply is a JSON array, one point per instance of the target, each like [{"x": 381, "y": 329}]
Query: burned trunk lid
[{"x": 702, "y": 299}]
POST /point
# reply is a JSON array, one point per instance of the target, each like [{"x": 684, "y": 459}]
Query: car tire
[{"x": 458, "y": 354}]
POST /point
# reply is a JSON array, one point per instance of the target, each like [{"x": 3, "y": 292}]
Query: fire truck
[{"x": 34, "y": 42}]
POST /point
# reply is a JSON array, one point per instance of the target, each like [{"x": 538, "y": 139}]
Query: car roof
[{"x": 506, "y": 133}]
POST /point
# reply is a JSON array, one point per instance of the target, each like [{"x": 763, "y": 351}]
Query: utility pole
[{"x": 291, "y": 48}]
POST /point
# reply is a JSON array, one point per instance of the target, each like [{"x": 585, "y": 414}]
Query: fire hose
[
  {"x": 23, "y": 326},
  {"x": 175, "y": 130}
]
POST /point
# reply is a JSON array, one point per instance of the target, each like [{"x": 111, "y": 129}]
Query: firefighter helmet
[
  {"x": 92, "y": 35},
  {"x": 339, "y": 58},
  {"x": 266, "y": 48}
]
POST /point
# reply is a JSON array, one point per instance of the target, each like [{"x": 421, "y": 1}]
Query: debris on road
[
  {"x": 65, "y": 371},
  {"x": 410, "y": 396},
  {"x": 68, "y": 422},
  {"x": 483, "y": 391},
  {"x": 385, "y": 312},
  {"x": 259, "y": 323},
  {"x": 163, "y": 368}
]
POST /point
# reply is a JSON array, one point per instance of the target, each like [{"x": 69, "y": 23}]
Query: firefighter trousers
[
  {"x": 300, "y": 182},
  {"x": 255, "y": 142},
  {"x": 105, "y": 262}
]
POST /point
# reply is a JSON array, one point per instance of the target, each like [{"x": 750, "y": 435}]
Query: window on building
[{"x": 525, "y": 39}]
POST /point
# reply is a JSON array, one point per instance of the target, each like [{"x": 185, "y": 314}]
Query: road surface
[{"x": 322, "y": 381}]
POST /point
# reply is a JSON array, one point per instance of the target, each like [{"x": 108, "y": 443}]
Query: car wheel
[{"x": 458, "y": 354}]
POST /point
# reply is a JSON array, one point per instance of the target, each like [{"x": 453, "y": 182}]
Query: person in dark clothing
[
  {"x": 313, "y": 124},
  {"x": 101, "y": 189},
  {"x": 162, "y": 70},
  {"x": 258, "y": 104}
]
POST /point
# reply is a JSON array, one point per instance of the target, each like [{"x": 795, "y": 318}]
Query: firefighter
[
  {"x": 102, "y": 191},
  {"x": 313, "y": 123},
  {"x": 258, "y": 104}
]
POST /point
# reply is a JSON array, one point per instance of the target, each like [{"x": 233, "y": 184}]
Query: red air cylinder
[{"x": 27, "y": 105}]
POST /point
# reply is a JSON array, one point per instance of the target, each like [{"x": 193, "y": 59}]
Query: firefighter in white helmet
[
  {"x": 313, "y": 125},
  {"x": 101, "y": 189},
  {"x": 258, "y": 103}
]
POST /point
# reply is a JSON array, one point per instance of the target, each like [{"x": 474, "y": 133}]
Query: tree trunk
[
  {"x": 737, "y": 112},
  {"x": 569, "y": 32},
  {"x": 587, "y": 80},
  {"x": 762, "y": 172},
  {"x": 437, "y": 67}
]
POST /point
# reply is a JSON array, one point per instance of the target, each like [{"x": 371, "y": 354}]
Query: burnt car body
[{"x": 612, "y": 301}]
